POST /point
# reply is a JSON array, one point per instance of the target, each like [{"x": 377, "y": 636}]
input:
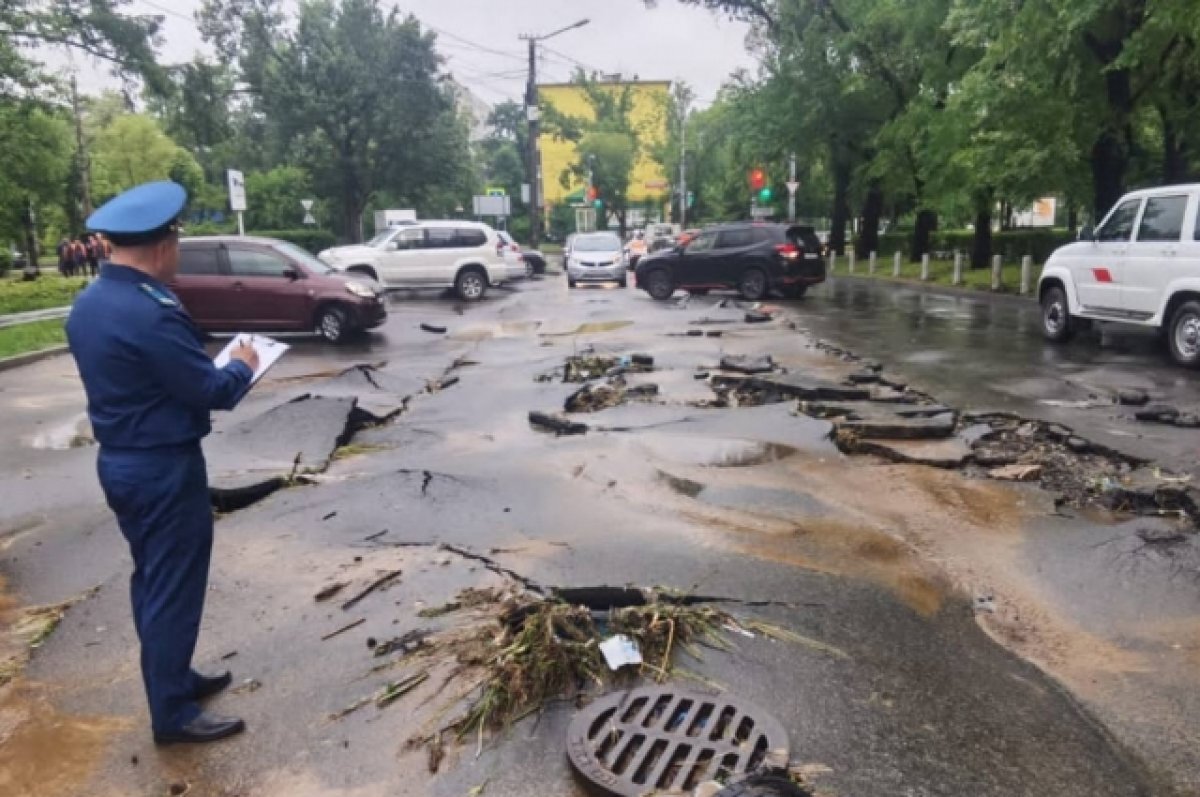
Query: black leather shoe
[
  {"x": 209, "y": 685},
  {"x": 205, "y": 728}
]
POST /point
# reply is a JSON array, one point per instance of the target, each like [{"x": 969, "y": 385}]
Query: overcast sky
[{"x": 480, "y": 40}]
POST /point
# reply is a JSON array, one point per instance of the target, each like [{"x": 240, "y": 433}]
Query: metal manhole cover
[{"x": 658, "y": 739}]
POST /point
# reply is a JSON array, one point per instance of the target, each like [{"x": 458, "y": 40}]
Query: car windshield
[
  {"x": 383, "y": 237},
  {"x": 596, "y": 243},
  {"x": 310, "y": 263},
  {"x": 504, "y": 236}
]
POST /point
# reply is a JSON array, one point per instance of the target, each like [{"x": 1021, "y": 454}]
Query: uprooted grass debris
[{"x": 522, "y": 651}]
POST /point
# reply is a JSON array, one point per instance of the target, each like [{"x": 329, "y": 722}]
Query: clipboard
[{"x": 269, "y": 351}]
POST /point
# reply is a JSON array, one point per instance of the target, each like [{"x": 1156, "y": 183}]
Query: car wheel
[
  {"x": 623, "y": 282},
  {"x": 570, "y": 283},
  {"x": 795, "y": 291},
  {"x": 529, "y": 270},
  {"x": 753, "y": 285},
  {"x": 470, "y": 285},
  {"x": 1184, "y": 337},
  {"x": 332, "y": 324},
  {"x": 1057, "y": 324},
  {"x": 659, "y": 285}
]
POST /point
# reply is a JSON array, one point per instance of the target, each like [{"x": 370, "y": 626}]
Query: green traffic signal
[
  {"x": 765, "y": 195},
  {"x": 598, "y": 204}
]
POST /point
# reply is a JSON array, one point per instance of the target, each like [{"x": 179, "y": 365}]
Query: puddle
[
  {"x": 714, "y": 452},
  {"x": 509, "y": 329},
  {"x": 75, "y": 433}
]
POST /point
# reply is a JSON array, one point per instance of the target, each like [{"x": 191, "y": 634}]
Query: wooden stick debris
[
  {"x": 382, "y": 581},
  {"x": 344, "y": 629}
]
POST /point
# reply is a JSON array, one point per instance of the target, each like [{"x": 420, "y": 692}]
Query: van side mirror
[
  {"x": 291, "y": 274},
  {"x": 1087, "y": 233}
]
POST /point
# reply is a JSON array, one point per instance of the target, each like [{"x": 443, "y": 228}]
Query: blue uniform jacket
[{"x": 148, "y": 380}]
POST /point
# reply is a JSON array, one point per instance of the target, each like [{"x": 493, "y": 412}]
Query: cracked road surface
[{"x": 996, "y": 641}]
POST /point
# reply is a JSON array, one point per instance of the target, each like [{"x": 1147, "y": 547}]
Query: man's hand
[{"x": 246, "y": 353}]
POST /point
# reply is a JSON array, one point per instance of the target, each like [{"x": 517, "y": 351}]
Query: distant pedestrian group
[{"x": 80, "y": 257}]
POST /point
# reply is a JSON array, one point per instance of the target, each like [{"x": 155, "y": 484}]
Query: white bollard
[
  {"x": 850, "y": 259},
  {"x": 958, "y": 264},
  {"x": 874, "y": 262},
  {"x": 997, "y": 266},
  {"x": 1026, "y": 269},
  {"x": 832, "y": 262},
  {"x": 925, "y": 267},
  {"x": 896, "y": 260}
]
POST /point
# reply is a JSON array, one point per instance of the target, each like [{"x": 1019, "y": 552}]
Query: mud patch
[{"x": 46, "y": 754}]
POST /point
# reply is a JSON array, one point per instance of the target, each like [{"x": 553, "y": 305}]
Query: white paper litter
[{"x": 620, "y": 651}]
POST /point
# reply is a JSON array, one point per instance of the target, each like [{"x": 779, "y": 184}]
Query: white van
[
  {"x": 464, "y": 255},
  {"x": 1140, "y": 266}
]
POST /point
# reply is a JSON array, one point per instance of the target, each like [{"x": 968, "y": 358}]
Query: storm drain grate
[{"x": 659, "y": 739}]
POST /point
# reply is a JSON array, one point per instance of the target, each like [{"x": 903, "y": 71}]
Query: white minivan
[
  {"x": 464, "y": 255},
  {"x": 1140, "y": 266}
]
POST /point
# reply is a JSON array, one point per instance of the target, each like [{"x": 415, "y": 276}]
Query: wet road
[
  {"x": 986, "y": 353},
  {"x": 883, "y": 563}
]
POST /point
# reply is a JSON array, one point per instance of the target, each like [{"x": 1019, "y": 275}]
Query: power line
[
  {"x": 170, "y": 11},
  {"x": 475, "y": 45},
  {"x": 571, "y": 59}
]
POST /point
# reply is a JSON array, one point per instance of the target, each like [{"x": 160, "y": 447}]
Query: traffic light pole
[{"x": 791, "y": 188}]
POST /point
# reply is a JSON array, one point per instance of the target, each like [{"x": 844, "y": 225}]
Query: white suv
[
  {"x": 1140, "y": 266},
  {"x": 463, "y": 255}
]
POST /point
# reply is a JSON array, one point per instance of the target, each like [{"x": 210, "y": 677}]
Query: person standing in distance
[{"x": 150, "y": 388}]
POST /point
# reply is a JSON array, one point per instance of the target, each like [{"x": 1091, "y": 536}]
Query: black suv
[{"x": 753, "y": 258}]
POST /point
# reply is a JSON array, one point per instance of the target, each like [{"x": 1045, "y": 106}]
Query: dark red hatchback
[{"x": 245, "y": 284}]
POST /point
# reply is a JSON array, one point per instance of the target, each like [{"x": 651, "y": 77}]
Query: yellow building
[{"x": 649, "y": 117}]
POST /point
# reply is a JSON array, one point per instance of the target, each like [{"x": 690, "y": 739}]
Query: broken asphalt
[{"x": 998, "y": 638}]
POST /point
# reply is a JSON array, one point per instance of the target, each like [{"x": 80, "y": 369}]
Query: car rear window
[
  {"x": 470, "y": 238},
  {"x": 806, "y": 237},
  {"x": 1163, "y": 219},
  {"x": 736, "y": 239},
  {"x": 199, "y": 260}
]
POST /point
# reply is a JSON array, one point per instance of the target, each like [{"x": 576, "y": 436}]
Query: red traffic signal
[
  {"x": 592, "y": 193},
  {"x": 758, "y": 179}
]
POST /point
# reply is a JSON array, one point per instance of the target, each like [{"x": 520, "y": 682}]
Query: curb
[
  {"x": 29, "y": 358},
  {"x": 30, "y": 316},
  {"x": 939, "y": 290}
]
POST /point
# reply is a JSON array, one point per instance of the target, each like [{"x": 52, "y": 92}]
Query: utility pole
[
  {"x": 533, "y": 117},
  {"x": 81, "y": 155},
  {"x": 683, "y": 195}
]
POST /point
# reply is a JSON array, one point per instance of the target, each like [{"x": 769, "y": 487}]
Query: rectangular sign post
[{"x": 237, "y": 197}]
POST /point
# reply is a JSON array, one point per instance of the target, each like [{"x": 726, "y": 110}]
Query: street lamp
[{"x": 531, "y": 115}]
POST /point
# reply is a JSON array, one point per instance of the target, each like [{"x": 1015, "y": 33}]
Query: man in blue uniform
[{"x": 150, "y": 388}]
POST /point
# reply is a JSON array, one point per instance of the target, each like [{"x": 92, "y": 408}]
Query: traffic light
[
  {"x": 764, "y": 195},
  {"x": 598, "y": 204},
  {"x": 592, "y": 193},
  {"x": 758, "y": 179}
]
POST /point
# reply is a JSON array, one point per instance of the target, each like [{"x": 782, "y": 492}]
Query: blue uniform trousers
[{"x": 160, "y": 498}]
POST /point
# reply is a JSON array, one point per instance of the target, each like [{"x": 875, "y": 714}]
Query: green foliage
[
  {"x": 35, "y": 150},
  {"x": 1012, "y": 245},
  {"x": 133, "y": 149},
  {"x": 18, "y": 296},
  {"x": 274, "y": 198}
]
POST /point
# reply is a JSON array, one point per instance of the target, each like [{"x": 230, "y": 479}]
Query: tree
[
  {"x": 96, "y": 28},
  {"x": 353, "y": 90},
  {"x": 132, "y": 150},
  {"x": 274, "y": 198},
  {"x": 35, "y": 146}
]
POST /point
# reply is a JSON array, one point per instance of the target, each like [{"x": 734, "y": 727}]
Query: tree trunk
[
  {"x": 1111, "y": 152},
  {"x": 926, "y": 226},
  {"x": 1072, "y": 219},
  {"x": 981, "y": 244},
  {"x": 1175, "y": 160},
  {"x": 29, "y": 227},
  {"x": 841, "y": 207},
  {"x": 868, "y": 238}
]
